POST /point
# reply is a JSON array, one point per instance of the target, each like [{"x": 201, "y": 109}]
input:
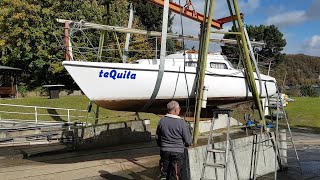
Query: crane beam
[{"x": 192, "y": 14}]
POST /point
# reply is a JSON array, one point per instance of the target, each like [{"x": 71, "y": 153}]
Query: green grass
[
  {"x": 304, "y": 112},
  {"x": 68, "y": 102}
]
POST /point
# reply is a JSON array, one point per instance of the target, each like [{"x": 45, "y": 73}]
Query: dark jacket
[{"x": 173, "y": 134}]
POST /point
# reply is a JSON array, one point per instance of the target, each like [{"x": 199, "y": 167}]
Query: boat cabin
[
  {"x": 8, "y": 81},
  {"x": 215, "y": 60}
]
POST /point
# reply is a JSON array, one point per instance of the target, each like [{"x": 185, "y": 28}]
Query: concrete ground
[
  {"x": 138, "y": 161},
  {"x": 308, "y": 149}
]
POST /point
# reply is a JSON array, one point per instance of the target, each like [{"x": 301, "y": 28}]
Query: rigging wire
[
  {"x": 175, "y": 89},
  {"x": 199, "y": 67},
  {"x": 60, "y": 45},
  {"x": 184, "y": 64},
  {"x": 77, "y": 27},
  {"x": 184, "y": 70},
  {"x": 79, "y": 51},
  {"x": 59, "y": 40}
]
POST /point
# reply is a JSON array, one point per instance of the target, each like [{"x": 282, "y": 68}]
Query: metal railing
[{"x": 35, "y": 112}]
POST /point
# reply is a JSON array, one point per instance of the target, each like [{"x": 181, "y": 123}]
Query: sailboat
[
  {"x": 128, "y": 86},
  {"x": 136, "y": 86}
]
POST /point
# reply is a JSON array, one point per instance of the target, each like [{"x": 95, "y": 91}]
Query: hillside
[{"x": 301, "y": 70}]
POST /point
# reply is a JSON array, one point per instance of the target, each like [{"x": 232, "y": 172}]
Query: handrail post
[
  {"x": 68, "y": 115},
  {"x": 269, "y": 68},
  {"x": 36, "y": 114}
]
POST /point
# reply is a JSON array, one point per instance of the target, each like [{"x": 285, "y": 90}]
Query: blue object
[
  {"x": 250, "y": 123},
  {"x": 267, "y": 126}
]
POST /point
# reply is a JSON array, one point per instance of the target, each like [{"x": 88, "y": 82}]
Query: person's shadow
[
  {"x": 107, "y": 175},
  {"x": 55, "y": 116}
]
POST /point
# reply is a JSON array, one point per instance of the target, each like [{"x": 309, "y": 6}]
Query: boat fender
[
  {"x": 205, "y": 96},
  {"x": 114, "y": 74}
]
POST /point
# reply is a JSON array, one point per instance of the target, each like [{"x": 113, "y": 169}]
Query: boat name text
[{"x": 114, "y": 74}]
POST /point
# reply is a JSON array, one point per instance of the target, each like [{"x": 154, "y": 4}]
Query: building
[{"x": 8, "y": 81}]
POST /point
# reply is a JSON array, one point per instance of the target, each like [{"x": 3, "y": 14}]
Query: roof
[{"x": 9, "y": 68}]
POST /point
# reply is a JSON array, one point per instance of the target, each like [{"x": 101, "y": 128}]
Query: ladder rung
[
  {"x": 264, "y": 140},
  {"x": 273, "y": 105},
  {"x": 288, "y": 140},
  {"x": 215, "y": 165},
  {"x": 270, "y": 106},
  {"x": 217, "y": 150},
  {"x": 269, "y": 146}
]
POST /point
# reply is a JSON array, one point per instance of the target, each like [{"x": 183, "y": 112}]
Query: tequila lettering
[{"x": 116, "y": 74}]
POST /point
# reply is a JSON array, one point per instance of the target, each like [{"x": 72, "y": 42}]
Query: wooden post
[
  {"x": 203, "y": 60},
  {"x": 66, "y": 40},
  {"x": 16, "y": 86},
  {"x": 248, "y": 67}
]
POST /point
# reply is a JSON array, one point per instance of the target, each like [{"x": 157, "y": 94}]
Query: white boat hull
[{"x": 128, "y": 87}]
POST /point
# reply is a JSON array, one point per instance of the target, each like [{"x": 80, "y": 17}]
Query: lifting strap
[{"x": 162, "y": 56}]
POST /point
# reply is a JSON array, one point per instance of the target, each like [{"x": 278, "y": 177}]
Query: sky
[{"x": 298, "y": 20}]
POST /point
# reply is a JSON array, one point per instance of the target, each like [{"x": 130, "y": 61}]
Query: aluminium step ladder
[
  {"x": 210, "y": 149},
  {"x": 263, "y": 141},
  {"x": 280, "y": 138},
  {"x": 285, "y": 136}
]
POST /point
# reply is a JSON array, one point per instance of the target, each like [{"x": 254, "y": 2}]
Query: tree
[
  {"x": 150, "y": 17},
  {"x": 28, "y": 31},
  {"x": 299, "y": 70},
  {"x": 27, "y": 40},
  {"x": 273, "y": 38}
]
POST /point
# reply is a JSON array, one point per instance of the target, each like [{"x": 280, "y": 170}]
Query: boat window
[
  {"x": 191, "y": 64},
  {"x": 230, "y": 64},
  {"x": 218, "y": 65}
]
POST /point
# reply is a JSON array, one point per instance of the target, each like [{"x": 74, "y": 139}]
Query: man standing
[{"x": 173, "y": 135}]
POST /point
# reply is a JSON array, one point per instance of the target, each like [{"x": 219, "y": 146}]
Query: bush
[
  {"x": 22, "y": 89},
  {"x": 40, "y": 91},
  {"x": 308, "y": 91},
  {"x": 293, "y": 91}
]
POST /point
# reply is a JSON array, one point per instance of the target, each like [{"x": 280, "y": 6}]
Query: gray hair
[{"x": 172, "y": 105}]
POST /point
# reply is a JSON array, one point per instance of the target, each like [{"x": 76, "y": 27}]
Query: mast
[
  {"x": 126, "y": 46},
  {"x": 66, "y": 39}
]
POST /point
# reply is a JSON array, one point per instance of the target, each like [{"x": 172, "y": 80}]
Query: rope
[{"x": 184, "y": 64}]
